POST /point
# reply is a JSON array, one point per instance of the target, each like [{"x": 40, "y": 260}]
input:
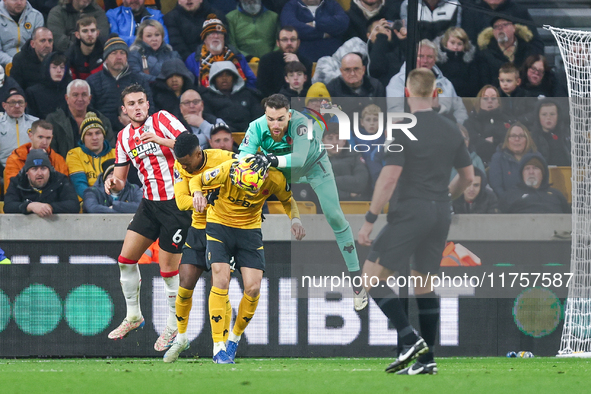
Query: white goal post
[{"x": 575, "y": 48}]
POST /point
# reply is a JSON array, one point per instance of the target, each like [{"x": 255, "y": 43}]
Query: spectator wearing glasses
[
  {"x": 192, "y": 116},
  {"x": 270, "y": 76},
  {"x": 504, "y": 171},
  {"x": 14, "y": 124},
  {"x": 539, "y": 80},
  {"x": 354, "y": 82},
  {"x": 503, "y": 42}
]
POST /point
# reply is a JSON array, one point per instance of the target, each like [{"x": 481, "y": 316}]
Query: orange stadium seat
[
  {"x": 355, "y": 207},
  {"x": 305, "y": 207},
  {"x": 560, "y": 178},
  {"x": 238, "y": 137},
  {"x": 254, "y": 66}
]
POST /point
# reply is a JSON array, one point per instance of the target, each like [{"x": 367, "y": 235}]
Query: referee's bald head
[{"x": 420, "y": 83}]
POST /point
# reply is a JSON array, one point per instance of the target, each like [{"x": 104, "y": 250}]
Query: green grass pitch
[{"x": 288, "y": 375}]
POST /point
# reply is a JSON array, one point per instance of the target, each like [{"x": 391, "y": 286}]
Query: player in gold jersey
[
  {"x": 191, "y": 161},
  {"x": 234, "y": 229}
]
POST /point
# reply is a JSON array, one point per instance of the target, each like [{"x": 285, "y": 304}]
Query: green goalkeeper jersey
[{"x": 300, "y": 152}]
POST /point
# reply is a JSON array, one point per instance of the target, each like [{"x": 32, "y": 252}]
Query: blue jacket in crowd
[{"x": 122, "y": 22}]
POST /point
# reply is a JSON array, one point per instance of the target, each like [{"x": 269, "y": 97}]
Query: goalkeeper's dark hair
[
  {"x": 133, "y": 88},
  {"x": 185, "y": 144},
  {"x": 276, "y": 101}
]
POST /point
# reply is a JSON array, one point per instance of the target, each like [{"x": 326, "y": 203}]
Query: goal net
[{"x": 575, "y": 48}]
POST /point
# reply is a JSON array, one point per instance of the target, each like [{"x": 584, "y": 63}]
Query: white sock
[
  {"x": 233, "y": 337},
  {"x": 217, "y": 346},
  {"x": 181, "y": 338},
  {"x": 130, "y": 284},
  {"x": 171, "y": 285}
]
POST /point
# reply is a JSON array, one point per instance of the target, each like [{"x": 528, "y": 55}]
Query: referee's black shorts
[
  {"x": 246, "y": 245},
  {"x": 162, "y": 220},
  {"x": 416, "y": 227},
  {"x": 194, "y": 248}
]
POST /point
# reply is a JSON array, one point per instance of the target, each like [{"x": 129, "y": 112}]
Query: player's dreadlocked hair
[
  {"x": 133, "y": 88},
  {"x": 185, "y": 144},
  {"x": 276, "y": 101}
]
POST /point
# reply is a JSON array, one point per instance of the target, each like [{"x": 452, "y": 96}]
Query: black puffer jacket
[
  {"x": 49, "y": 95},
  {"x": 106, "y": 92},
  {"x": 164, "y": 97},
  {"x": 525, "y": 199},
  {"x": 27, "y": 69},
  {"x": 59, "y": 193},
  {"x": 184, "y": 28},
  {"x": 460, "y": 68}
]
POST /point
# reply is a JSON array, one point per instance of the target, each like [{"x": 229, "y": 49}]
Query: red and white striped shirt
[{"x": 153, "y": 162}]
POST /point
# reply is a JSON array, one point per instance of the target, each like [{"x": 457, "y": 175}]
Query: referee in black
[{"x": 418, "y": 219}]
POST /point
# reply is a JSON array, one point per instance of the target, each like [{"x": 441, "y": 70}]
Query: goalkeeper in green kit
[{"x": 282, "y": 135}]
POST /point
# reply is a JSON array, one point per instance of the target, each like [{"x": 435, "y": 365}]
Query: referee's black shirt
[{"x": 427, "y": 162}]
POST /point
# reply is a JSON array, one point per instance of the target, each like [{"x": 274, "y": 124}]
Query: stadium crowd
[{"x": 63, "y": 66}]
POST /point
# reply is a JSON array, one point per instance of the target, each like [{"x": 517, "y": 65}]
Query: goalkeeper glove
[{"x": 258, "y": 162}]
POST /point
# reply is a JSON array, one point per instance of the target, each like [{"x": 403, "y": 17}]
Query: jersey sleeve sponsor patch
[
  {"x": 177, "y": 176},
  {"x": 301, "y": 130},
  {"x": 246, "y": 140},
  {"x": 211, "y": 174}
]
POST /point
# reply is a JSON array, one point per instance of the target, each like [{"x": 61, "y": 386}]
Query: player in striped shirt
[{"x": 147, "y": 143}]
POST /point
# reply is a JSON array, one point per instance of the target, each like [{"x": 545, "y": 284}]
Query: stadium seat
[
  {"x": 1, "y": 206},
  {"x": 346, "y": 4},
  {"x": 238, "y": 137},
  {"x": 560, "y": 178},
  {"x": 355, "y": 207},
  {"x": 313, "y": 68},
  {"x": 254, "y": 66},
  {"x": 305, "y": 207},
  {"x": 7, "y": 69}
]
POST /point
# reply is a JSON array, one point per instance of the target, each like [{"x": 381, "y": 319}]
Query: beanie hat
[
  {"x": 15, "y": 92},
  {"x": 317, "y": 90},
  {"x": 36, "y": 158},
  {"x": 91, "y": 121},
  {"x": 114, "y": 43},
  {"x": 212, "y": 24},
  {"x": 534, "y": 161},
  {"x": 108, "y": 167}
]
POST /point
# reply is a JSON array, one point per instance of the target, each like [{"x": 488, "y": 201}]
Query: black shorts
[
  {"x": 246, "y": 245},
  {"x": 417, "y": 227},
  {"x": 162, "y": 220},
  {"x": 194, "y": 249}
]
